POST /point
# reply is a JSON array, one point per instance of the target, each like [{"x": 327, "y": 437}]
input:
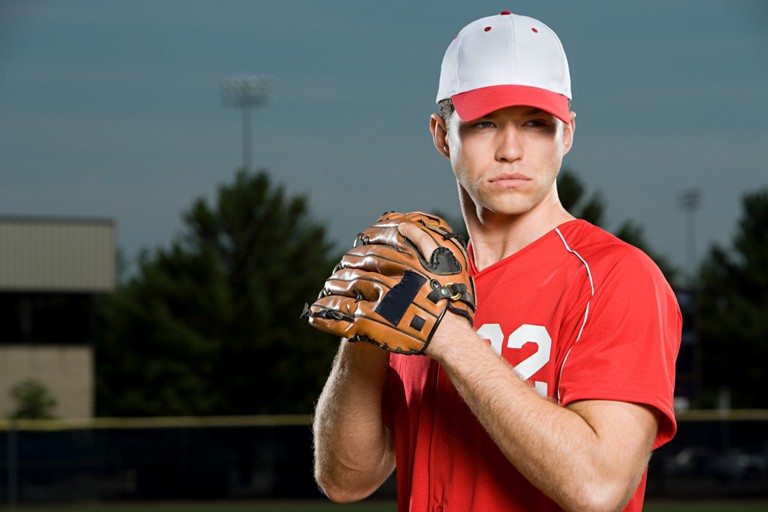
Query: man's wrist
[{"x": 452, "y": 335}]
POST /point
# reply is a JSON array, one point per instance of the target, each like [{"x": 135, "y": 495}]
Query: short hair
[{"x": 445, "y": 109}]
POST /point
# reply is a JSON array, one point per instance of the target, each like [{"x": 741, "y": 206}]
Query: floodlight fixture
[{"x": 246, "y": 93}]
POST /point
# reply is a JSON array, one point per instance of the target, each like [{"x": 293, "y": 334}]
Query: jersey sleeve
[{"x": 627, "y": 348}]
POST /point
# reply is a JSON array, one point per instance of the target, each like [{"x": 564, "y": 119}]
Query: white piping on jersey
[{"x": 586, "y": 310}]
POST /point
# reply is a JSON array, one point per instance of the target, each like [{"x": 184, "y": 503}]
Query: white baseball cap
[{"x": 502, "y": 61}]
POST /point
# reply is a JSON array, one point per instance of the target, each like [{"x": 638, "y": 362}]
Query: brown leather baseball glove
[{"x": 385, "y": 292}]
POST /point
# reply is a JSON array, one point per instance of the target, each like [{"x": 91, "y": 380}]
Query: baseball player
[{"x": 533, "y": 371}]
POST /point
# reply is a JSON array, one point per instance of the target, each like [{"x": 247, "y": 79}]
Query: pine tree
[
  {"x": 211, "y": 324},
  {"x": 732, "y": 314}
]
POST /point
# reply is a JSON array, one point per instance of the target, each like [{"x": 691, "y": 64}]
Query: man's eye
[
  {"x": 483, "y": 124},
  {"x": 537, "y": 123}
]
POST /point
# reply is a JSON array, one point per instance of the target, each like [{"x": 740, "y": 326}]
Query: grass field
[{"x": 285, "y": 506}]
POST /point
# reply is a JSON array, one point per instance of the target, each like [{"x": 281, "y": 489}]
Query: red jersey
[{"x": 580, "y": 315}]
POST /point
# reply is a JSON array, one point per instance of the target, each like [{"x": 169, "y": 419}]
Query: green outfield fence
[{"x": 715, "y": 455}]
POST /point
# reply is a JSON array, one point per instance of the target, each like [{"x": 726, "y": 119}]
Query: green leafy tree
[
  {"x": 211, "y": 324},
  {"x": 33, "y": 401},
  {"x": 732, "y": 316}
]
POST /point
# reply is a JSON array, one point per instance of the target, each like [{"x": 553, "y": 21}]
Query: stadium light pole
[
  {"x": 690, "y": 349},
  {"x": 689, "y": 201},
  {"x": 246, "y": 93}
]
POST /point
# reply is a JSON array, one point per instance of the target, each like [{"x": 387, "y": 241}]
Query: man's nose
[{"x": 508, "y": 148}]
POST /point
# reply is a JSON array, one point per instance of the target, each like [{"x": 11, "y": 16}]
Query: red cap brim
[{"x": 475, "y": 104}]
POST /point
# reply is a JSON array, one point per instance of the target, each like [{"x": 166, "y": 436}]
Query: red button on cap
[{"x": 505, "y": 13}]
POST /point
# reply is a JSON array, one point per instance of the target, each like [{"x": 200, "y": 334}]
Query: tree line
[{"x": 210, "y": 324}]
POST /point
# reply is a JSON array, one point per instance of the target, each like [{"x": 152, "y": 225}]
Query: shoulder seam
[{"x": 586, "y": 309}]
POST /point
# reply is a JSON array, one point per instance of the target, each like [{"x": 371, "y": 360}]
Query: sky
[{"x": 112, "y": 109}]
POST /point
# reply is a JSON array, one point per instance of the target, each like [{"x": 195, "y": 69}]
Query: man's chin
[{"x": 510, "y": 209}]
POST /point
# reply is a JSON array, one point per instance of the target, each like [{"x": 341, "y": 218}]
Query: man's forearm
[
  {"x": 353, "y": 451},
  {"x": 580, "y": 463}
]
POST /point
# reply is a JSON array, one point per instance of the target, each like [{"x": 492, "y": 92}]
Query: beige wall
[
  {"x": 67, "y": 372},
  {"x": 40, "y": 254}
]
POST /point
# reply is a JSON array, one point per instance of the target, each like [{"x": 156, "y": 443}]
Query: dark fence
[
  {"x": 714, "y": 455},
  {"x": 209, "y": 458},
  {"x": 270, "y": 457}
]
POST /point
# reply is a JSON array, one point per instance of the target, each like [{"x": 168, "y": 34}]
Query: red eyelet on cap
[
  {"x": 487, "y": 29},
  {"x": 505, "y": 13}
]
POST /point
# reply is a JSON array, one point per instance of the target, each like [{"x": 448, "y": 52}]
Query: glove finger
[
  {"x": 383, "y": 234},
  {"x": 333, "y": 314},
  {"x": 428, "y": 221},
  {"x": 388, "y": 230},
  {"x": 381, "y": 259},
  {"x": 362, "y": 285}
]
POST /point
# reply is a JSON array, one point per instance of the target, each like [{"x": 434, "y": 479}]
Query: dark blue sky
[{"x": 112, "y": 109}]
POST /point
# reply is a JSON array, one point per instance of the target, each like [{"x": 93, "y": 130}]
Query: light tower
[
  {"x": 246, "y": 93},
  {"x": 689, "y": 359},
  {"x": 689, "y": 201}
]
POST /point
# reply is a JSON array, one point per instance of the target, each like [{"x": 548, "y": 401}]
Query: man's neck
[{"x": 496, "y": 236}]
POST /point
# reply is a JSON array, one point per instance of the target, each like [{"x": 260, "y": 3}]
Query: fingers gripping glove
[{"x": 385, "y": 292}]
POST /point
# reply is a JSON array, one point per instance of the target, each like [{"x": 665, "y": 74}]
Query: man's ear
[
  {"x": 439, "y": 134},
  {"x": 569, "y": 130}
]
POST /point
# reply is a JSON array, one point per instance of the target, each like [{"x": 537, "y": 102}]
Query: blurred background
[{"x": 178, "y": 178}]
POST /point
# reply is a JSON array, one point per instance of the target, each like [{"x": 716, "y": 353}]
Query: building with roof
[{"x": 52, "y": 271}]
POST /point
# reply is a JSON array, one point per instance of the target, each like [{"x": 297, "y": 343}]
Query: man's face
[{"x": 507, "y": 161}]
